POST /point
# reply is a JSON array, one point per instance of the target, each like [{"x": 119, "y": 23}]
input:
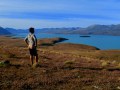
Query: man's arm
[
  {"x": 26, "y": 40},
  {"x": 35, "y": 39}
]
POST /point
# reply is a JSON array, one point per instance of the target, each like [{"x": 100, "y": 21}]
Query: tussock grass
[
  {"x": 69, "y": 62},
  {"x": 62, "y": 68},
  {"x": 105, "y": 63}
]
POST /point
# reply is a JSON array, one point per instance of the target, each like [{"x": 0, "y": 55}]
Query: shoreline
[
  {"x": 65, "y": 41},
  {"x": 54, "y": 41}
]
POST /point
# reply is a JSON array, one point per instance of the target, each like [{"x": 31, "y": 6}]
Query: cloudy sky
[{"x": 58, "y": 13}]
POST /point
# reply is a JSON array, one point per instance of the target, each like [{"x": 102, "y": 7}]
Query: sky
[{"x": 23, "y": 14}]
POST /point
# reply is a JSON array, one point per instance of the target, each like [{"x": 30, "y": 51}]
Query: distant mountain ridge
[
  {"x": 4, "y": 31},
  {"x": 101, "y": 30},
  {"x": 60, "y": 30},
  {"x": 15, "y": 31},
  {"x": 90, "y": 30}
]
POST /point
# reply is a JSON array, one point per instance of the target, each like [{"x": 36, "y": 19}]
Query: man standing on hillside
[{"x": 31, "y": 42}]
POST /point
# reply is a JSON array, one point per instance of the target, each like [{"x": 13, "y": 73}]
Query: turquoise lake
[{"x": 103, "y": 42}]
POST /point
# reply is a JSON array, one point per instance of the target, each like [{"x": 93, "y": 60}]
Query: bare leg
[
  {"x": 36, "y": 59},
  {"x": 31, "y": 59}
]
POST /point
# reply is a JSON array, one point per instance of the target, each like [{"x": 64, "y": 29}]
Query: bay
[{"x": 104, "y": 42}]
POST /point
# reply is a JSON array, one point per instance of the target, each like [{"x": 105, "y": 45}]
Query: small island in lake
[{"x": 85, "y": 36}]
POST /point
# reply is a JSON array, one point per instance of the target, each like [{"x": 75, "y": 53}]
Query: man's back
[{"x": 31, "y": 39}]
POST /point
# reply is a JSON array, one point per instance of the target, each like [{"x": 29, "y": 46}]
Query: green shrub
[{"x": 4, "y": 63}]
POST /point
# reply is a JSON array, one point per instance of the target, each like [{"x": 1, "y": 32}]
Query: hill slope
[{"x": 61, "y": 68}]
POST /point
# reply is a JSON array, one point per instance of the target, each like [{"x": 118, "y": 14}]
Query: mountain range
[
  {"x": 90, "y": 30},
  {"x": 4, "y": 31}
]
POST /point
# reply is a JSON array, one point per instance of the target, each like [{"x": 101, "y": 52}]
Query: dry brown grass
[{"x": 59, "y": 69}]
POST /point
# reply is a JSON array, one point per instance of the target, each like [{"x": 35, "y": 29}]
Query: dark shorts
[{"x": 33, "y": 51}]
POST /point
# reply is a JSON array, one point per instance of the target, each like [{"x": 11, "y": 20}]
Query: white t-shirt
[{"x": 31, "y": 39}]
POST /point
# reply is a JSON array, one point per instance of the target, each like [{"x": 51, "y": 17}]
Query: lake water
[{"x": 103, "y": 42}]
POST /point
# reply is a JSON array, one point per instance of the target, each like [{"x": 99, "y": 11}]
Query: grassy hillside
[{"x": 61, "y": 67}]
